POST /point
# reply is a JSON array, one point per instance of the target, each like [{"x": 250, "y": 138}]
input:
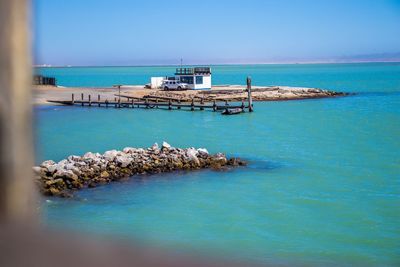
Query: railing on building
[{"x": 191, "y": 71}]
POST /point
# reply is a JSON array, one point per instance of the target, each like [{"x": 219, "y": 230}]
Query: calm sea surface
[{"x": 322, "y": 187}]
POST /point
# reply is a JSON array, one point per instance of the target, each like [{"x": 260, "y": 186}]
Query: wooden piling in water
[
  {"x": 73, "y": 99},
  {"x": 169, "y": 105},
  {"x": 214, "y": 106},
  {"x": 90, "y": 101},
  {"x": 106, "y": 103},
  {"x": 192, "y": 105},
  {"x": 98, "y": 99},
  {"x": 249, "y": 94},
  {"x": 82, "y": 99}
]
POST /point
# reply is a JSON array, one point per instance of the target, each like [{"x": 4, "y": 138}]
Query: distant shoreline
[{"x": 222, "y": 64}]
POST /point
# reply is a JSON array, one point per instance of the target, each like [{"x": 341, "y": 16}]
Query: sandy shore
[{"x": 229, "y": 93}]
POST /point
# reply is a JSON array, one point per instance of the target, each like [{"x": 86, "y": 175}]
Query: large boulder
[
  {"x": 47, "y": 163},
  {"x": 73, "y": 168},
  {"x": 154, "y": 147},
  {"x": 192, "y": 153},
  {"x": 218, "y": 161},
  {"x": 110, "y": 155},
  {"x": 203, "y": 152},
  {"x": 129, "y": 150},
  {"x": 166, "y": 145},
  {"x": 74, "y": 158},
  {"x": 123, "y": 160}
]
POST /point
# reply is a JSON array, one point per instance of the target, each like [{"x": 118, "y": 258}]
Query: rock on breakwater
[{"x": 92, "y": 169}]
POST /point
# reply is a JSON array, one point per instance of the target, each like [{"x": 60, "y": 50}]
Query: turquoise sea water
[{"x": 322, "y": 186}]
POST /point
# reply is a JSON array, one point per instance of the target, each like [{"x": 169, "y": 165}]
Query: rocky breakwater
[{"x": 93, "y": 169}]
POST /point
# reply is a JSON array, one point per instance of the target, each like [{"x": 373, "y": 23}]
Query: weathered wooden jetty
[{"x": 150, "y": 102}]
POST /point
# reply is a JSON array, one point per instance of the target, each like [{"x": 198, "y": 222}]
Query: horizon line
[{"x": 218, "y": 64}]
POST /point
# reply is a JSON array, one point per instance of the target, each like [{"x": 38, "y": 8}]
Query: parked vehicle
[{"x": 174, "y": 85}]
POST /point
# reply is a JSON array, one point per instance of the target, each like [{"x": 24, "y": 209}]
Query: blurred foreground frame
[{"x": 23, "y": 242}]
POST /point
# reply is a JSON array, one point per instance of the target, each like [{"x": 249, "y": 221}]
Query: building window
[
  {"x": 199, "y": 79},
  {"x": 187, "y": 79}
]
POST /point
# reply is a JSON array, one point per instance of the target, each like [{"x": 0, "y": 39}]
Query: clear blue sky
[{"x": 130, "y": 32}]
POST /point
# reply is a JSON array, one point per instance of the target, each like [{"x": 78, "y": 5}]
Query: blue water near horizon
[{"x": 322, "y": 186}]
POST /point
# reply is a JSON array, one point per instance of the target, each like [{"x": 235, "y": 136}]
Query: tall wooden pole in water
[
  {"x": 119, "y": 95},
  {"x": 249, "y": 94}
]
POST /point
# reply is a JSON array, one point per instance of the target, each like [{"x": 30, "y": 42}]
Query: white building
[
  {"x": 156, "y": 82},
  {"x": 196, "y": 78}
]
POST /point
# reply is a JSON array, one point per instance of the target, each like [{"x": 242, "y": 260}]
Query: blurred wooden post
[
  {"x": 249, "y": 94},
  {"x": 82, "y": 99},
  {"x": 90, "y": 101},
  {"x": 98, "y": 99},
  {"x": 73, "y": 99},
  {"x": 17, "y": 193}
]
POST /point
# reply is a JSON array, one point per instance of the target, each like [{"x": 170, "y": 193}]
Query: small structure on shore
[
  {"x": 197, "y": 78},
  {"x": 42, "y": 80}
]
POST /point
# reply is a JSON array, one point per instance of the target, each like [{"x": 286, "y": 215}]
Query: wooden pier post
[
  {"x": 202, "y": 104},
  {"x": 98, "y": 99},
  {"x": 249, "y": 94},
  {"x": 90, "y": 101},
  {"x": 82, "y": 99},
  {"x": 106, "y": 103},
  {"x": 169, "y": 105},
  {"x": 119, "y": 95},
  {"x": 192, "y": 105},
  {"x": 133, "y": 105},
  {"x": 179, "y": 102},
  {"x": 214, "y": 106},
  {"x": 73, "y": 99},
  {"x": 242, "y": 105},
  {"x": 146, "y": 103}
]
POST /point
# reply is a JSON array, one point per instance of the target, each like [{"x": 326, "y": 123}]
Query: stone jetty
[{"x": 93, "y": 169}]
